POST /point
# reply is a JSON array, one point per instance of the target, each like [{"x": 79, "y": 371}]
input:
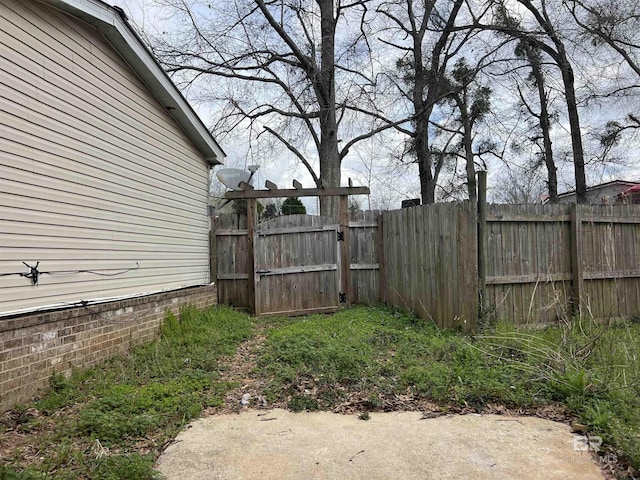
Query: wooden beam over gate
[{"x": 294, "y": 192}]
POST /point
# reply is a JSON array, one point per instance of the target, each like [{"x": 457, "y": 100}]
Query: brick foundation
[{"x": 35, "y": 346}]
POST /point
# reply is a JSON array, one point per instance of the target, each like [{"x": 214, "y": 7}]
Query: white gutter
[{"x": 132, "y": 49}]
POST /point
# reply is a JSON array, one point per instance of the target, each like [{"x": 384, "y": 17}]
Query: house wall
[
  {"x": 595, "y": 195},
  {"x": 33, "y": 347},
  {"x": 96, "y": 176}
]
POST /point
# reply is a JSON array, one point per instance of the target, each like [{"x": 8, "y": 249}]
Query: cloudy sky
[
  {"x": 370, "y": 164},
  {"x": 389, "y": 183}
]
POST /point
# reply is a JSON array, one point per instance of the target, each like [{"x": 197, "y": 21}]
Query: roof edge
[{"x": 110, "y": 22}]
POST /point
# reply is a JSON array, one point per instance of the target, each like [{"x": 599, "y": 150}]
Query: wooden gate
[
  {"x": 297, "y": 265},
  {"x": 294, "y": 264}
]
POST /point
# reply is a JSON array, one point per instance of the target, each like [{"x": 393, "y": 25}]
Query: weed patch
[
  {"x": 377, "y": 353},
  {"x": 111, "y": 421}
]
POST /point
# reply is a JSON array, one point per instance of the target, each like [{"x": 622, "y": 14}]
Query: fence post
[
  {"x": 251, "y": 271},
  {"x": 213, "y": 258},
  {"x": 345, "y": 256},
  {"x": 482, "y": 243},
  {"x": 382, "y": 274},
  {"x": 577, "y": 274}
]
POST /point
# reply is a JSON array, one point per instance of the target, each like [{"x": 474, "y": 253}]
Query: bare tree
[
  {"x": 538, "y": 110},
  {"x": 428, "y": 38},
  {"x": 615, "y": 23},
  {"x": 473, "y": 102},
  {"x": 290, "y": 73},
  {"x": 518, "y": 187},
  {"x": 532, "y": 55},
  {"x": 540, "y": 32}
]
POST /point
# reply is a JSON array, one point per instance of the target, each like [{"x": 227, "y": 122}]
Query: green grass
[
  {"x": 378, "y": 353},
  {"x": 112, "y": 420},
  {"x": 321, "y": 361}
]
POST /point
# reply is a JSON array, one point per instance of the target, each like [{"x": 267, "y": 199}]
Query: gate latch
[
  {"x": 342, "y": 297},
  {"x": 340, "y": 236}
]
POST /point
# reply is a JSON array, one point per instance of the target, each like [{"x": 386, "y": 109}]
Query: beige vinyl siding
[{"x": 95, "y": 175}]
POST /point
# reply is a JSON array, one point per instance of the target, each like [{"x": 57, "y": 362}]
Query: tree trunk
[
  {"x": 545, "y": 126},
  {"x": 427, "y": 182},
  {"x": 421, "y": 135},
  {"x": 568, "y": 82},
  {"x": 423, "y": 154},
  {"x": 424, "y": 81},
  {"x": 326, "y": 94},
  {"x": 467, "y": 144},
  {"x": 574, "y": 125},
  {"x": 470, "y": 164}
]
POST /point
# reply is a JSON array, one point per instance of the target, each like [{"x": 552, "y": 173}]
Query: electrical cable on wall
[
  {"x": 34, "y": 274},
  {"x": 135, "y": 318}
]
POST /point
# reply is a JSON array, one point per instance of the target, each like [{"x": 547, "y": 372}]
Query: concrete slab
[{"x": 282, "y": 445}]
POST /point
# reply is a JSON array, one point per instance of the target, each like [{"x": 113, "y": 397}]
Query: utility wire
[
  {"x": 33, "y": 274},
  {"x": 62, "y": 273}
]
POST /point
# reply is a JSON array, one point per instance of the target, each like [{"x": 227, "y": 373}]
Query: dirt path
[{"x": 239, "y": 368}]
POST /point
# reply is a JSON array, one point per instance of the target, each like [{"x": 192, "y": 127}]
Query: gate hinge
[
  {"x": 340, "y": 236},
  {"x": 342, "y": 297}
]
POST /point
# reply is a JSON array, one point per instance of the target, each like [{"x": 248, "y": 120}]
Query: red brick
[
  {"x": 32, "y": 351},
  {"x": 38, "y": 366},
  {"x": 10, "y": 365}
]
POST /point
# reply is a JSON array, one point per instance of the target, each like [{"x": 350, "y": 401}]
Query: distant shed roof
[
  {"x": 112, "y": 23},
  {"x": 624, "y": 183}
]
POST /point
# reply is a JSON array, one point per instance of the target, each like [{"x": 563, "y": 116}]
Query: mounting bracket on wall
[{"x": 32, "y": 274}]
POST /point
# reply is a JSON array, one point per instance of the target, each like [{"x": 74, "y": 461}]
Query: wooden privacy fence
[
  {"x": 547, "y": 262},
  {"x": 430, "y": 262},
  {"x": 528, "y": 263},
  {"x": 297, "y": 263}
]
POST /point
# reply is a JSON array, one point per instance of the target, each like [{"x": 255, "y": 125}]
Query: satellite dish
[{"x": 232, "y": 177}]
